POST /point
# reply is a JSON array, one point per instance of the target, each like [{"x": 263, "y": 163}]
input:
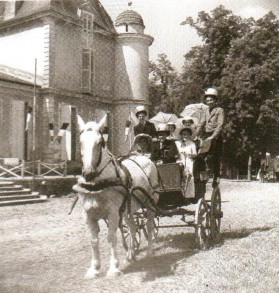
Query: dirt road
[{"x": 44, "y": 250}]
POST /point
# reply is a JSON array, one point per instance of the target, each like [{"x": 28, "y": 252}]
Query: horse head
[{"x": 91, "y": 143}]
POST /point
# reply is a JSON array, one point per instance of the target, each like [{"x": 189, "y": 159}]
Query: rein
[{"x": 149, "y": 181}]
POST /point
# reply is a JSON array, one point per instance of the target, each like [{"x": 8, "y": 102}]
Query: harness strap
[
  {"x": 149, "y": 181},
  {"x": 100, "y": 172}
]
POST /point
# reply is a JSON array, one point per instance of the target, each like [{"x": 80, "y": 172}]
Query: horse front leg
[
  {"x": 150, "y": 231},
  {"x": 113, "y": 221},
  {"x": 94, "y": 229}
]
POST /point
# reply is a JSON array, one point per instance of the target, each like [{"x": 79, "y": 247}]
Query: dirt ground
[{"x": 44, "y": 250}]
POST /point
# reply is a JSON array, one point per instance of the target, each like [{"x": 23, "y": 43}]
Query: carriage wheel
[
  {"x": 155, "y": 231},
  {"x": 125, "y": 233},
  {"x": 215, "y": 212},
  {"x": 202, "y": 224}
]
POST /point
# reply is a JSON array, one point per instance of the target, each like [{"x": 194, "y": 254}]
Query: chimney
[{"x": 10, "y": 9}]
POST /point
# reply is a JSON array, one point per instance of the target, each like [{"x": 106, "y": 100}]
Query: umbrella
[
  {"x": 194, "y": 110},
  {"x": 162, "y": 117}
]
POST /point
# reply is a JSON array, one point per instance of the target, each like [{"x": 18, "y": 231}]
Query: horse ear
[
  {"x": 81, "y": 123},
  {"x": 102, "y": 124}
]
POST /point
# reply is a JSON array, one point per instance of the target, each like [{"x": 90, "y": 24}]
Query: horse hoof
[
  {"x": 91, "y": 274},
  {"x": 129, "y": 261},
  {"x": 114, "y": 273},
  {"x": 130, "y": 258},
  {"x": 150, "y": 252}
]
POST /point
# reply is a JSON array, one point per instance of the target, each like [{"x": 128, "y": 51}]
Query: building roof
[
  {"x": 25, "y": 9},
  {"x": 19, "y": 76},
  {"x": 101, "y": 17},
  {"x": 129, "y": 17}
]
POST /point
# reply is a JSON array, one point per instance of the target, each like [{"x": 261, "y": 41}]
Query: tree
[
  {"x": 161, "y": 83},
  {"x": 250, "y": 83},
  {"x": 204, "y": 64},
  {"x": 240, "y": 57}
]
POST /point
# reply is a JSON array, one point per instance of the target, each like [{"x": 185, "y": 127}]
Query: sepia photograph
[{"x": 139, "y": 146}]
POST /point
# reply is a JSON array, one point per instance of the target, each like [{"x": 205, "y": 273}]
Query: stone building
[{"x": 86, "y": 65}]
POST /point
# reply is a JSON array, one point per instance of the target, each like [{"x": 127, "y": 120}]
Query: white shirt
[{"x": 186, "y": 150}]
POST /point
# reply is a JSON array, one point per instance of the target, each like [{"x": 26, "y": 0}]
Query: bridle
[{"x": 100, "y": 145}]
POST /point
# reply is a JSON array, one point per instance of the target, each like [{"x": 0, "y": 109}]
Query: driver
[{"x": 211, "y": 128}]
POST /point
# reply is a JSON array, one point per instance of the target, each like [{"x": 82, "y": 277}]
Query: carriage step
[
  {"x": 10, "y": 187},
  {"x": 19, "y": 197},
  {"x": 41, "y": 199},
  {"x": 15, "y": 192}
]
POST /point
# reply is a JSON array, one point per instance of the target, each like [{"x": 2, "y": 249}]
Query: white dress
[{"x": 186, "y": 150}]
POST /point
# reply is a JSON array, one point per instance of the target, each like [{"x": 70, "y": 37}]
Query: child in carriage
[{"x": 142, "y": 145}]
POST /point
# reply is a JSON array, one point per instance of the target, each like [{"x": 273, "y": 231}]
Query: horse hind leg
[
  {"x": 113, "y": 221},
  {"x": 132, "y": 239},
  {"x": 93, "y": 271},
  {"x": 150, "y": 231}
]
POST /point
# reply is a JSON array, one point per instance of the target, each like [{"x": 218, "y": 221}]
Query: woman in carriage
[{"x": 187, "y": 152}]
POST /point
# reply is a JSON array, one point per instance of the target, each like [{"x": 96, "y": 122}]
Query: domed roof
[{"x": 129, "y": 17}]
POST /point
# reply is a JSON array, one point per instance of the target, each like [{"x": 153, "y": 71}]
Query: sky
[{"x": 162, "y": 20}]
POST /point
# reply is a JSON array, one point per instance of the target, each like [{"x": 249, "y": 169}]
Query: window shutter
[{"x": 86, "y": 70}]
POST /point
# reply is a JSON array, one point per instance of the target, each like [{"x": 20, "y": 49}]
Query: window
[{"x": 87, "y": 19}]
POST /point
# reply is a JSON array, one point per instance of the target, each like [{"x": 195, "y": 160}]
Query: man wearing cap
[
  {"x": 144, "y": 126},
  {"x": 211, "y": 128}
]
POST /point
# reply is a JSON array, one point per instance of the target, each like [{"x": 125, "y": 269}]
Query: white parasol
[
  {"x": 162, "y": 117},
  {"x": 195, "y": 111}
]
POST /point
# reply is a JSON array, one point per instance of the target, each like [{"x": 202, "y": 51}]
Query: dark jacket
[
  {"x": 167, "y": 151},
  {"x": 148, "y": 128}
]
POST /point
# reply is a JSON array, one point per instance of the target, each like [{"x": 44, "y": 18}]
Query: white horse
[{"x": 104, "y": 191}]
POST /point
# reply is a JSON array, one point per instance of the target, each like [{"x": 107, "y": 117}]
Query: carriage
[
  {"x": 203, "y": 213},
  {"x": 132, "y": 193}
]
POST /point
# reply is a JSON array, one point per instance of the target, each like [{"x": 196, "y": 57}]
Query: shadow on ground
[
  {"x": 238, "y": 234},
  {"x": 164, "y": 264}
]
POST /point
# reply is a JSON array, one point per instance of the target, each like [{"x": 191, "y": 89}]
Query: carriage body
[{"x": 204, "y": 215}]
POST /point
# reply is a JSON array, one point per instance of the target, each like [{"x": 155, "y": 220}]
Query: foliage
[
  {"x": 250, "y": 84},
  {"x": 204, "y": 64},
  {"x": 161, "y": 84}
]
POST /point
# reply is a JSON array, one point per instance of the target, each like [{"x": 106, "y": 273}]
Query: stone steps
[
  {"x": 19, "y": 196},
  {"x": 11, "y": 187},
  {"x": 16, "y": 191},
  {"x": 40, "y": 199},
  {"x": 12, "y": 194}
]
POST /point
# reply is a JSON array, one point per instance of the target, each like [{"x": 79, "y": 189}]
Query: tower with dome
[{"x": 131, "y": 67}]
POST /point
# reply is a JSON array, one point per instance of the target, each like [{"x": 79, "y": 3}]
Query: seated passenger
[
  {"x": 142, "y": 145},
  {"x": 187, "y": 152},
  {"x": 189, "y": 122},
  {"x": 171, "y": 127},
  {"x": 164, "y": 150}
]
